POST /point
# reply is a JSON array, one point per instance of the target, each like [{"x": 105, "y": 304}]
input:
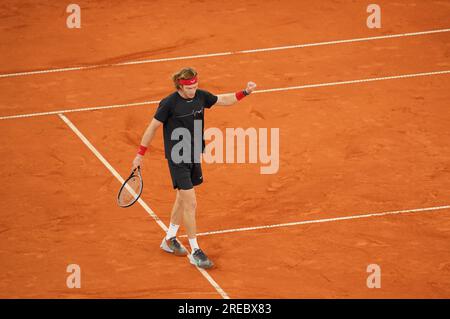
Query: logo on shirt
[{"x": 195, "y": 113}]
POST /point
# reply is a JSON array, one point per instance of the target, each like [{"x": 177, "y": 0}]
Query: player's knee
[
  {"x": 179, "y": 199},
  {"x": 187, "y": 200},
  {"x": 191, "y": 204}
]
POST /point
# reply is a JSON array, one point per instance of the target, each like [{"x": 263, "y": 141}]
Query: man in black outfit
[{"x": 182, "y": 114}]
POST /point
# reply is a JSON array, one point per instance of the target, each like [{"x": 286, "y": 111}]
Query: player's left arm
[{"x": 232, "y": 98}]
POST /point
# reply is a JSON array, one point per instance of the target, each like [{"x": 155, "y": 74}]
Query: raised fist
[{"x": 251, "y": 86}]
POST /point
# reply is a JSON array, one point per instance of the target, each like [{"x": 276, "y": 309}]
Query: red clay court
[{"x": 364, "y": 173}]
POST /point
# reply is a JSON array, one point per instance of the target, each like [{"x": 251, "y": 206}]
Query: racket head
[{"x": 131, "y": 189}]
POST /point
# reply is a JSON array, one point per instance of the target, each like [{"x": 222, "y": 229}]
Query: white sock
[
  {"x": 172, "y": 232},
  {"x": 193, "y": 243}
]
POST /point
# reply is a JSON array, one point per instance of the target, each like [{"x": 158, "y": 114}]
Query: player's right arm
[{"x": 146, "y": 140}]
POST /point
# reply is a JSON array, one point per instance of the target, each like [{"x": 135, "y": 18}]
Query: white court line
[
  {"x": 299, "y": 87},
  {"x": 325, "y": 220},
  {"x": 287, "y": 47},
  {"x": 140, "y": 200},
  {"x": 84, "y": 109}
]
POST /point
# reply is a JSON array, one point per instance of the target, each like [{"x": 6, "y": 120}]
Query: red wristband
[
  {"x": 142, "y": 150},
  {"x": 240, "y": 95}
]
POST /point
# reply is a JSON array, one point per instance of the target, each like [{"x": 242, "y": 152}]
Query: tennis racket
[{"x": 131, "y": 189}]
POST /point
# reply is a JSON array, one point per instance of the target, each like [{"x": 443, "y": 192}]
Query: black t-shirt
[{"x": 177, "y": 112}]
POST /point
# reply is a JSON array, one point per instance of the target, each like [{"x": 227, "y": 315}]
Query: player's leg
[
  {"x": 186, "y": 203},
  {"x": 189, "y": 201},
  {"x": 184, "y": 177},
  {"x": 197, "y": 256},
  {"x": 176, "y": 216},
  {"x": 170, "y": 243}
]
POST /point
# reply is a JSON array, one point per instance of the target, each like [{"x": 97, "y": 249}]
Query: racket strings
[{"x": 130, "y": 191}]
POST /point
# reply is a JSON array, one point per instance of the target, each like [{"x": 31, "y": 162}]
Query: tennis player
[{"x": 182, "y": 109}]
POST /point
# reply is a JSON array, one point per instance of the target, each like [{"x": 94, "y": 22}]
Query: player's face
[{"x": 189, "y": 90}]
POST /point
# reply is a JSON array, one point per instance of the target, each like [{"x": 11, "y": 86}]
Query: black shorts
[{"x": 185, "y": 175}]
